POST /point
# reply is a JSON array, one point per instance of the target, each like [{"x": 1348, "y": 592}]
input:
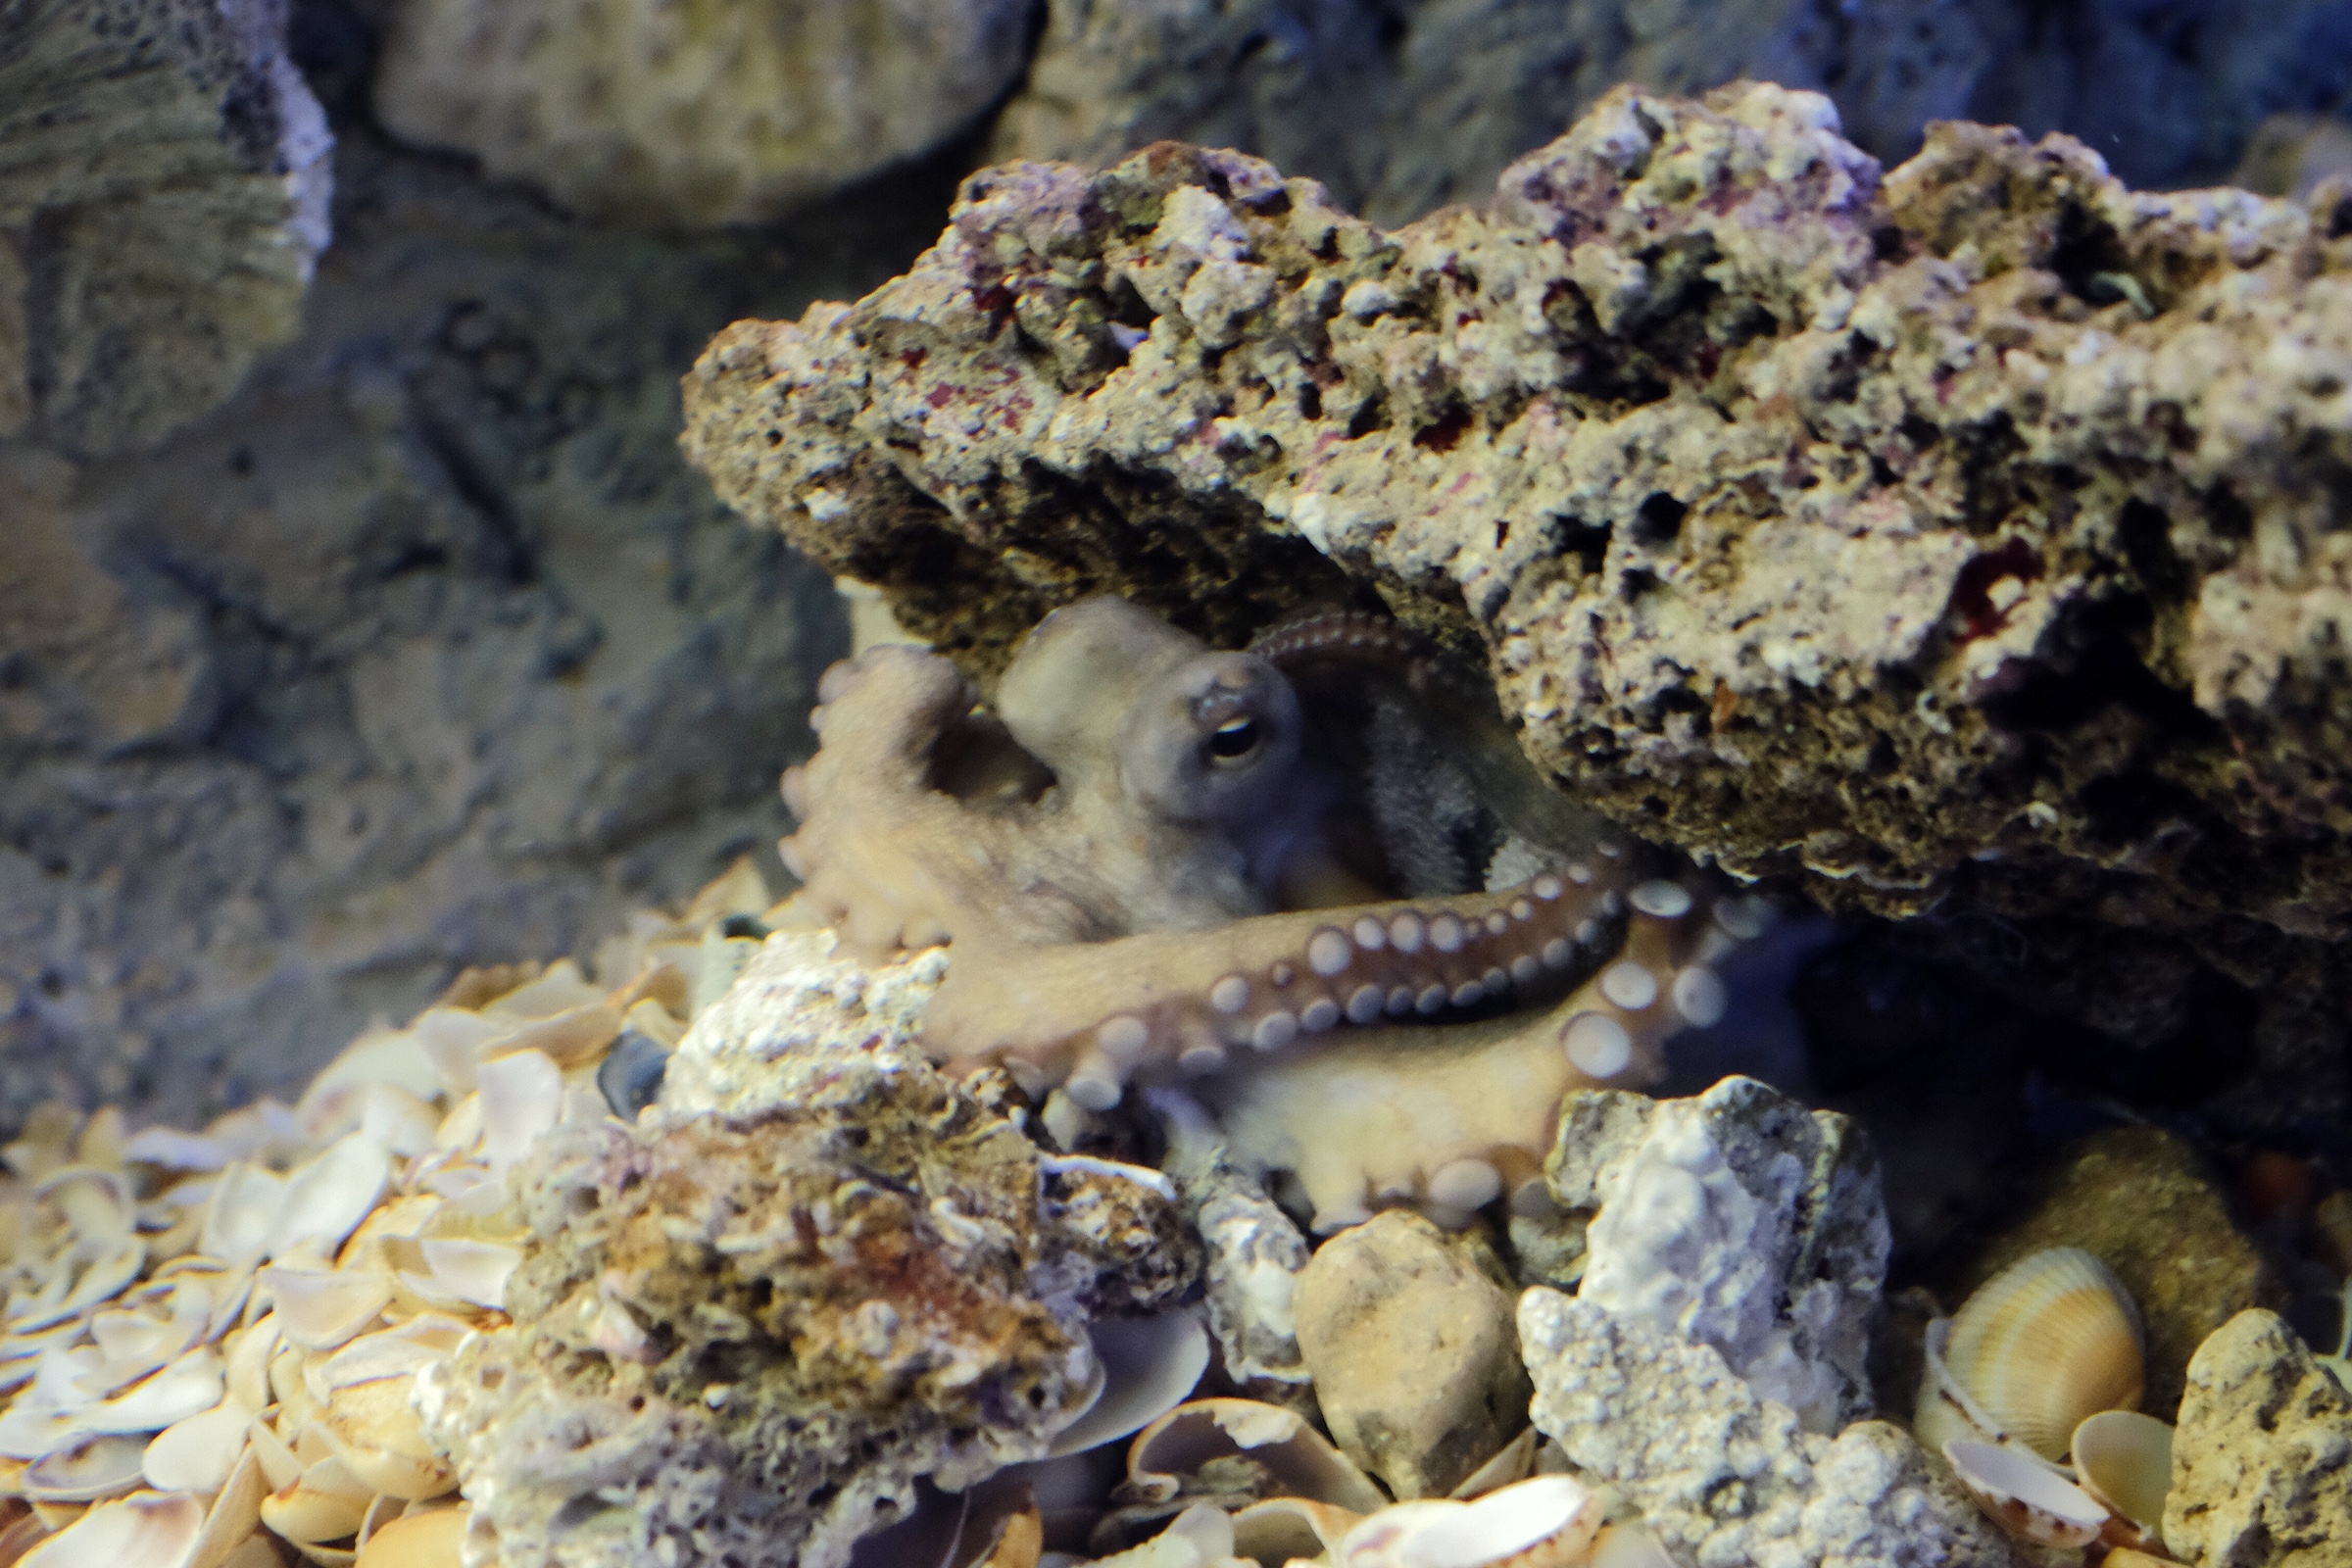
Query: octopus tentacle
[
  {"x": 1351, "y": 636},
  {"x": 1088, "y": 1017},
  {"x": 1451, "y": 1116}
]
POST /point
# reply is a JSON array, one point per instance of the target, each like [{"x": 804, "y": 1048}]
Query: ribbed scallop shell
[{"x": 2044, "y": 1344}]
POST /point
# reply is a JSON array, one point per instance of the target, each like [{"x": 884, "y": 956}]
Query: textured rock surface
[
  {"x": 871, "y": 1276},
  {"x": 1438, "y": 95},
  {"x": 2140, "y": 1200},
  {"x": 2062, "y": 448},
  {"x": 1737, "y": 1220},
  {"x": 164, "y": 187},
  {"x": 1410, "y": 1344},
  {"x": 1726, "y": 1477},
  {"x": 424, "y": 650},
  {"x": 2262, "y": 1467},
  {"x": 637, "y": 109},
  {"x": 1696, "y": 365}
]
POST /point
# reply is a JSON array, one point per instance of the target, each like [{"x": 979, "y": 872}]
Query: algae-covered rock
[
  {"x": 2140, "y": 1200},
  {"x": 2262, "y": 1463},
  {"x": 744, "y": 1335},
  {"x": 1897, "y": 531}
]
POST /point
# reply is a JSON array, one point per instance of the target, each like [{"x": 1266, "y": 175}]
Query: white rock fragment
[
  {"x": 1724, "y": 1477},
  {"x": 1740, "y": 1220}
]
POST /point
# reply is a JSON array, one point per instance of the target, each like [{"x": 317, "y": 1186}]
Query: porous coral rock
[
  {"x": 709, "y": 114},
  {"x": 2262, "y": 1463},
  {"x": 1411, "y": 1348},
  {"x": 137, "y": 288},
  {"x": 1724, "y": 1476},
  {"x": 1738, "y": 1220},
  {"x": 865, "y": 1276},
  {"x": 1956, "y": 532}
]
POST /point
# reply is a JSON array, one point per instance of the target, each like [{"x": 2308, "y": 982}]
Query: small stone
[
  {"x": 2140, "y": 1200},
  {"x": 2262, "y": 1463},
  {"x": 1411, "y": 1348}
]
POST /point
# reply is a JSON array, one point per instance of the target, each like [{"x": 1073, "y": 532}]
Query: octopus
[{"x": 1313, "y": 882}]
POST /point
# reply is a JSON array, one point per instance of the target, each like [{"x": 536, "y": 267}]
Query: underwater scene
[{"x": 1175, "y": 784}]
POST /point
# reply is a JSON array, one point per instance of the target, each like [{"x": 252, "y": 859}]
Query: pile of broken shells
[
  {"x": 211, "y": 1341},
  {"x": 250, "y": 1343}
]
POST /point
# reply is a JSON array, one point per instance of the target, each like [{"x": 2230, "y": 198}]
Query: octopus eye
[{"x": 1233, "y": 741}]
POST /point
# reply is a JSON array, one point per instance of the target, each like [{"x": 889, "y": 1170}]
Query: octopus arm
[{"x": 1091, "y": 1015}]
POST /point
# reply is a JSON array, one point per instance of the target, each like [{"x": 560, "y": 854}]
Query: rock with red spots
[
  {"x": 1956, "y": 529},
  {"x": 1960, "y": 536}
]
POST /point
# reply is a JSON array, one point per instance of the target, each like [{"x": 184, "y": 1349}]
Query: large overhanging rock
[
  {"x": 1977, "y": 527},
  {"x": 163, "y": 183}
]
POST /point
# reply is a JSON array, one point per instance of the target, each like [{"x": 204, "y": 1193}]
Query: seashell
[
  {"x": 375, "y": 1430},
  {"x": 27, "y": 1430},
  {"x": 100, "y": 1271},
  {"x": 455, "y": 1039},
  {"x": 19, "y": 1537},
  {"x": 2048, "y": 1342},
  {"x": 259, "y": 1131},
  {"x": 380, "y": 1057},
  {"x": 235, "y": 1520},
  {"x": 1515, "y": 1460},
  {"x": 96, "y": 1203},
  {"x": 523, "y": 1095},
  {"x": 398, "y": 1352},
  {"x": 427, "y": 1539},
  {"x": 1201, "y": 1537},
  {"x": 2026, "y": 1496},
  {"x": 1294, "y": 1459},
  {"x": 149, "y": 1333},
  {"x": 85, "y": 1471},
  {"x": 398, "y": 1120},
  {"x": 319, "y": 1310},
  {"x": 325, "y": 1504},
  {"x": 2124, "y": 1461},
  {"x": 1546, "y": 1522},
  {"x": 148, "y": 1531},
  {"x": 247, "y": 1378},
  {"x": 168, "y": 1149},
  {"x": 1149, "y": 1366},
  {"x": 1628, "y": 1547},
  {"x": 1290, "y": 1529},
  {"x": 199, "y": 1452},
  {"x": 245, "y": 1204},
  {"x": 573, "y": 1038},
  {"x": 472, "y": 1272},
  {"x": 188, "y": 1386},
  {"x": 327, "y": 1197},
  {"x": 279, "y": 1466},
  {"x": 559, "y": 988}
]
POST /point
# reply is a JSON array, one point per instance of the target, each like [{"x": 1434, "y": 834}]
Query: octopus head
[{"x": 1214, "y": 739}]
